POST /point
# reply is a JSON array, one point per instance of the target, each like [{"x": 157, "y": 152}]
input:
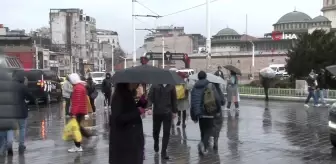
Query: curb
[{"x": 280, "y": 98}]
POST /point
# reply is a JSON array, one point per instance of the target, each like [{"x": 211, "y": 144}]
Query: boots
[{"x": 215, "y": 144}]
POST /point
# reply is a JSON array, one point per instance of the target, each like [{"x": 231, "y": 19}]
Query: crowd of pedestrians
[{"x": 317, "y": 88}]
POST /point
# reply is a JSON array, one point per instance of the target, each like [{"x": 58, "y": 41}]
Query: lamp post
[
  {"x": 252, "y": 59},
  {"x": 125, "y": 61}
]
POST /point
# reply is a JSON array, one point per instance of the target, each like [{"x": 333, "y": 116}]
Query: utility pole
[
  {"x": 36, "y": 56},
  {"x": 208, "y": 40},
  {"x": 163, "y": 56},
  {"x": 134, "y": 37},
  {"x": 112, "y": 52}
]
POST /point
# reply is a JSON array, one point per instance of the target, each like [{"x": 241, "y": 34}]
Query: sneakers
[
  {"x": 10, "y": 152},
  {"x": 306, "y": 105},
  {"x": 317, "y": 105},
  {"x": 75, "y": 149},
  {"x": 87, "y": 117}
]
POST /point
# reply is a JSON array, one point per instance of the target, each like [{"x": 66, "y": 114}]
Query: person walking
[
  {"x": 24, "y": 95},
  {"x": 107, "y": 90},
  {"x": 219, "y": 72},
  {"x": 205, "y": 105},
  {"x": 183, "y": 103},
  {"x": 321, "y": 87},
  {"x": 78, "y": 107},
  {"x": 66, "y": 92},
  {"x": 265, "y": 83},
  {"x": 163, "y": 97},
  {"x": 92, "y": 93},
  {"x": 312, "y": 84},
  {"x": 218, "y": 119},
  {"x": 126, "y": 129},
  {"x": 232, "y": 91}
]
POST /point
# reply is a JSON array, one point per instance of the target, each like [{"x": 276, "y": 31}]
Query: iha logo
[{"x": 277, "y": 35}]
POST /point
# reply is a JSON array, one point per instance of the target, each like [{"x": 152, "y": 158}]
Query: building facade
[{"x": 73, "y": 30}]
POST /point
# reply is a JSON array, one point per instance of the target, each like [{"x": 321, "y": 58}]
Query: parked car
[{"x": 44, "y": 84}]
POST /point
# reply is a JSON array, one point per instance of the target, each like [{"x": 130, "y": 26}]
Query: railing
[{"x": 282, "y": 92}]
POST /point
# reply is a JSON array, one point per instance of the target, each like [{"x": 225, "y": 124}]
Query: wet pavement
[{"x": 285, "y": 133}]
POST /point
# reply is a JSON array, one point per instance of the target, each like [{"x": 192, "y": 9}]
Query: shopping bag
[
  {"x": 88, "y": 104},
  {"x": 72, "y": 131}
]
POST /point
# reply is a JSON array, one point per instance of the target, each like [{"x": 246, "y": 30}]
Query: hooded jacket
[
  {"x": 67, "y": 88},
  {"x": 107, "y": 84},
  {"x": 321, "y": 81},
  {"x": 197, "y": 96},
  {"x": 79, "y": 96}
]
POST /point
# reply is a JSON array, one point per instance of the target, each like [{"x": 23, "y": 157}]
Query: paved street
[{"x": 286, "y": 133}]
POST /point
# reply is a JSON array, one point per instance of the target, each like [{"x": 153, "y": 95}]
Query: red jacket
[{"x": 78, "y": 100}]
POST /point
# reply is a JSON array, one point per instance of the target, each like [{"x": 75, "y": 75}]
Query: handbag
[{"x": 94, "y": 94}]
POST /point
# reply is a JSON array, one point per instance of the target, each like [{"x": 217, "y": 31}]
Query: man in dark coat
[
  {"x": 164, "y": 100},
  {"x": 219, "y": 72},
  {"x": 321, "y": 86},
  {"x": 107, "y": 89},
  {"x": 311, "y": 81},
  {"x": 265, "y": 83},
  {"x": 198, "y": 113},
  {"x": 23, "y": 94}
]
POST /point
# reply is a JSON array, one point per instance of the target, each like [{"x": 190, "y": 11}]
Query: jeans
[
  {"x": 3, "y": 136},
  {"x": 320, "y": 94},
  {"x": 67, "y": 106},
  {"x": 311, "y": 94},
  {"x": 22, "y": 134},
  {"x": 206, "y": 128}
]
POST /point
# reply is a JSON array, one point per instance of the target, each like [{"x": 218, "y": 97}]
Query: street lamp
[
  {"x": 252, "y": 59},
  {"x": 125, "y": 61}
]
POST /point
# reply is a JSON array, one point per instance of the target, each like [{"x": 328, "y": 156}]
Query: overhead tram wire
[
  {"x": 187, "y": 9},
  {"x": 147, "y": 8}
]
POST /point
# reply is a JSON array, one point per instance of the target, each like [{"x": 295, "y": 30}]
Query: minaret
[{"x": 329, "y": 11}]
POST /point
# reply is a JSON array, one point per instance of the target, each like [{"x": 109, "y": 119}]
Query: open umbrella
[
  {"x": 233, "y": 69},
  {"x": 146, "y": 74},
  {"x": 332, "y": 69},
  {"x": 267, "y": 72},
  {"x": 210, "y": 77}
]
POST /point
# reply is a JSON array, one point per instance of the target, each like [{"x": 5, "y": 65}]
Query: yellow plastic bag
[
  {"x": 72, "y": 131},
  {"x": 88, "y": 104},
  {"x": 180, "y": 91}
]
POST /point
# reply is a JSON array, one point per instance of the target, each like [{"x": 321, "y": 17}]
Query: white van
[
  {"x": 188, "y": 71},
  {"x": 279, "y": 69}
]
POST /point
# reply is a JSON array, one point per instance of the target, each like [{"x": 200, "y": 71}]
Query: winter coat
[
  {"x": 126, "y": 131},
  {"x": 13, "y": 96},
  {"x": 197, "y": 95},
  {"x": 183, "y": 104},
  {"x": 107, "y": 84},
  {"x": 163, "y": 98},
  {"x": 232, "y": 89},
  {"x": 90, "y": 88},
  {"x": 79, "y": 96},
  {"x": 67, "y": 89}
]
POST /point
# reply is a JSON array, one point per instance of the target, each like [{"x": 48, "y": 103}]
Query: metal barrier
[{"x": 283, "y": 92}]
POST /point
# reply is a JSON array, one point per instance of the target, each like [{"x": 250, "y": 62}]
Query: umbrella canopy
[
  {"x": 210, "y": 77},
  {"x": 233, "y": 69},
  {"x": 267, "y": 73},
  {"x": 146, "y": 74},
  {"x": 332, "y": 69}
]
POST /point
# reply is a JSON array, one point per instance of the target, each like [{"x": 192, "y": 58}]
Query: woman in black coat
[{"x": 126, "y": 130}]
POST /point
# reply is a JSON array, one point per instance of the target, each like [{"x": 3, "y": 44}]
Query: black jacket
[
  {"x": 107, "y": 85},
  {"x": 90, "y": 88},
  {"x": 321, "y": 81},
  {"x": 126, "y": 131},
  {"x": 12, "y": 96},
  {"x": 163, "y": 98}
]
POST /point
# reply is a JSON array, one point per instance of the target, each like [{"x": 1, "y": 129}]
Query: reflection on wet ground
[{"x": 275, "y": 133}]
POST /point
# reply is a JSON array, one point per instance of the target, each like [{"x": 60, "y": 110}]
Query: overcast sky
[{"x": 116, "y": 14}]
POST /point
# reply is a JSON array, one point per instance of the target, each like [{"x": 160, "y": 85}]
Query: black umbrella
[
  {"x": 332, "y": 69},
  {"x": 148, "y": 75},
  {"x": 233, "y": 69}
]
